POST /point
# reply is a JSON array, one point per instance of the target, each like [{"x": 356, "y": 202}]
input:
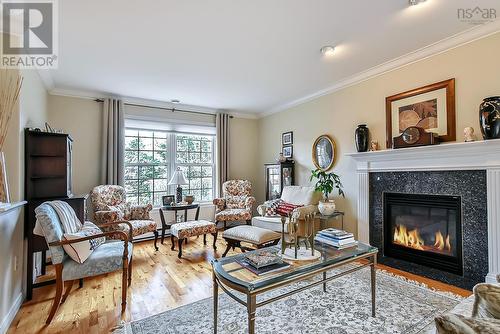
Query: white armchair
[{"x": 307, "y": 197}]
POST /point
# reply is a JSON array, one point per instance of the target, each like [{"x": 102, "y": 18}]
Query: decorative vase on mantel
[
  {"x": 489, "y": 117},
  {"x": 362, "y": 136}
]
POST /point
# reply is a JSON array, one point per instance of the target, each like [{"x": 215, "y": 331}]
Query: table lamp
[{"x": 179, "y": 180}]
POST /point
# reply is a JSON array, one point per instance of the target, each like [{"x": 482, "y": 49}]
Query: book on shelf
[
  {"x": 335, "y": 243},
  {"x": 263, "y": 270}
]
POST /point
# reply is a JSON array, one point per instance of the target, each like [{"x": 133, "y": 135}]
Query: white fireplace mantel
[{"x": 479, "y": 155}]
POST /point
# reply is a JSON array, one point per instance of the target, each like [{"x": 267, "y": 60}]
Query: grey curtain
[
  {"x": 222, "y": 126},
  {"x": 113, "y": 142}
]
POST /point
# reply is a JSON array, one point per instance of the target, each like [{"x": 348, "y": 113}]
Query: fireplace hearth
[{"x": 424, "y": 229}]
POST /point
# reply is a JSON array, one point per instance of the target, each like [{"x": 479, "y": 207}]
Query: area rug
[{"x": 402, "y": 307}]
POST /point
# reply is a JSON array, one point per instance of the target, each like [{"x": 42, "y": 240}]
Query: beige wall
[
  {"x": 475, "y": 67},
  {"x": 82, "y": 119},
  {"x": 243, "y": 148},
  {"x": 31, "y": 111}
]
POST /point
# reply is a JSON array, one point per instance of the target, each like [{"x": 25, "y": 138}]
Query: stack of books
[
  {"x": 336, "y": 238},
  {"x": 263, "y": 261}
]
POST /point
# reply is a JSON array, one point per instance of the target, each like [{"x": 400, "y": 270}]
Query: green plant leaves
[{"x": 327, "y": 182}]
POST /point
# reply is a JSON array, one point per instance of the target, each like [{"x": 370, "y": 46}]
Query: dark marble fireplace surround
[{"x": 470, "y": 185}]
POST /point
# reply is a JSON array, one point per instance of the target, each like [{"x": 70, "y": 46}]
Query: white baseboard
[{"x": 11, "y": 314}]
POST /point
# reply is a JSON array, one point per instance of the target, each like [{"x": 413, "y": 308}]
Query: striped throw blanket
[{"x": 67, "y": 216}]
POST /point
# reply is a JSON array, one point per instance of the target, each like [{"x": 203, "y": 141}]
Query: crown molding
[
  {"x": 444, "y": 45},
  {"x": 92, "y": 95},
  {"x": 82, "y": 94},
  {"x": 243, "y": 115}
]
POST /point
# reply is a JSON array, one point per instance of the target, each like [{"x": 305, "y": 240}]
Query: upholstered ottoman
[
  {"x": 184, "y": 230},
  {"x": 258, "y": 237}
]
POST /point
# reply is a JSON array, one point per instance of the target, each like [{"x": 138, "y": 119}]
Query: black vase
[
  {"x": 489, "y": 117},
  {"x": 362, "y": 136}
]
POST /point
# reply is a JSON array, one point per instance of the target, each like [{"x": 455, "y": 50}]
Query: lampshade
[{"x": 177, "y": 178}]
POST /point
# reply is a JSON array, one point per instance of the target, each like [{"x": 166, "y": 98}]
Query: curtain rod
[{"x": 164, "y": 108}]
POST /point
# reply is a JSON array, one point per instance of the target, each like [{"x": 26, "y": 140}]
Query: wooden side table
[
  {"x": 325, "y": 220},
  {"x": 176, "y": 208}
]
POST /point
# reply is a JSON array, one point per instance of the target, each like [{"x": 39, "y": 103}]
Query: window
[{"x": 151, "y": 157}]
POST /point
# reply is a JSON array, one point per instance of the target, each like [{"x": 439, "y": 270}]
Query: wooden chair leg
[
  {"x": 179, "y": 242},
  {"x": 156, "y": 238},
  {"x": 59, "y": 290},
  {"x": 215, "y": 240},
  {"x": 80, "y": 283},
  {"x": 173, "y": 245},
  {"x": 130, "y": 271},
  {"x": 124, "y": 284},
  {"x": 204, "y": 239},
  {"x": 162, "y": 234},
  {"x": 228, "y": 247},
  {"x": 69, "y": 285}
]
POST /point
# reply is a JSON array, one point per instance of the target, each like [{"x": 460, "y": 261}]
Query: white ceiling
[{"x": 249, "y": 56}]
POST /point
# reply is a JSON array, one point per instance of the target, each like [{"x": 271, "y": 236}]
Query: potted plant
[{"x": 326, "y": 183}]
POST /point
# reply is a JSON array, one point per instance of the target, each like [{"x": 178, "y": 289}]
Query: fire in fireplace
[{"x": 424, "y": 229}]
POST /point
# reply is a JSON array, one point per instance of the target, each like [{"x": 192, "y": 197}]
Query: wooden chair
[{"x": 109, "y": 257}]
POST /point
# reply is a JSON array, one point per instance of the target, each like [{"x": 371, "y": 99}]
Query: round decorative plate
[{"x": 302, "y": 255}]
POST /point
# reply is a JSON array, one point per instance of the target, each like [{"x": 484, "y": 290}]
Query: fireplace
[{"x": 424, "y": 229}]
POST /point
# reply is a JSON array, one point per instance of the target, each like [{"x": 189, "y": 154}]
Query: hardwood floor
[{"x": 160, "y": 282}]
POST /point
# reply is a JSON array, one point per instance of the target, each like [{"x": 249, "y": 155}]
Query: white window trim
[{"x": 172, "y": 163}]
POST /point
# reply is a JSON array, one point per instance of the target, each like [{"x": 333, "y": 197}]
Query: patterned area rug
[{"x": 402, "y": 307}]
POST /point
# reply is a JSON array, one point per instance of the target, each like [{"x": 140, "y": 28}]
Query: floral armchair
[
  {"x": 109, "y": 203},
  {"x": 236, "y": 202}
]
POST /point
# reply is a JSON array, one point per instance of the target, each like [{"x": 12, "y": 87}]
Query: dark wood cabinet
[
  {"x": 48, "y": 176},
  {"x": 279, "y": 175},
  {"x": 48, "y": 165}
]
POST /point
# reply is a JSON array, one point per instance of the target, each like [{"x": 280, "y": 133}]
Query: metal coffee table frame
[{"x": 221, "y": 279}]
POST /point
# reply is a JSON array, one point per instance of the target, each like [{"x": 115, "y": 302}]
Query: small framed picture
[
  {"x": 168, "y": 200},
  {"x": 288, "y": 151},
  {"x": 287, "y": 138}
]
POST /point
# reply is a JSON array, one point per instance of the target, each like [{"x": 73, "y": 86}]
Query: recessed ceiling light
[
  {"x": 415, "y": 2},
  {"x": 175, "y": 101},
  {"x": 328, "y": 50}
]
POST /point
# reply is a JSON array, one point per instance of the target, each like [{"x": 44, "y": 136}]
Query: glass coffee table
[{"x": 229, "y": 275}]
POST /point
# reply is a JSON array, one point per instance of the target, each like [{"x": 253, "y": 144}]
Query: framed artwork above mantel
[{"x": 431, "y": 107}]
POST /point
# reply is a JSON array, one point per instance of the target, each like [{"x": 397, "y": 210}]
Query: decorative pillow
[
  {"x": 271, "y": 207},
  {"x": 235, "y": 202},
  {"x": 140, "y": 212},
  {"x": 80, "y": 251},
  {"x": 486, "y": 301},
  {"x": 104, "y": 217},
  {"x": 284, "y": 208}
]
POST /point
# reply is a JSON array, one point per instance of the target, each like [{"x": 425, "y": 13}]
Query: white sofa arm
[{"x": 301, "y": 212}]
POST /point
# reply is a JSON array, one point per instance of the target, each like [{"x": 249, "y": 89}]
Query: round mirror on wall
[{"x": 323, "y": 152}]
